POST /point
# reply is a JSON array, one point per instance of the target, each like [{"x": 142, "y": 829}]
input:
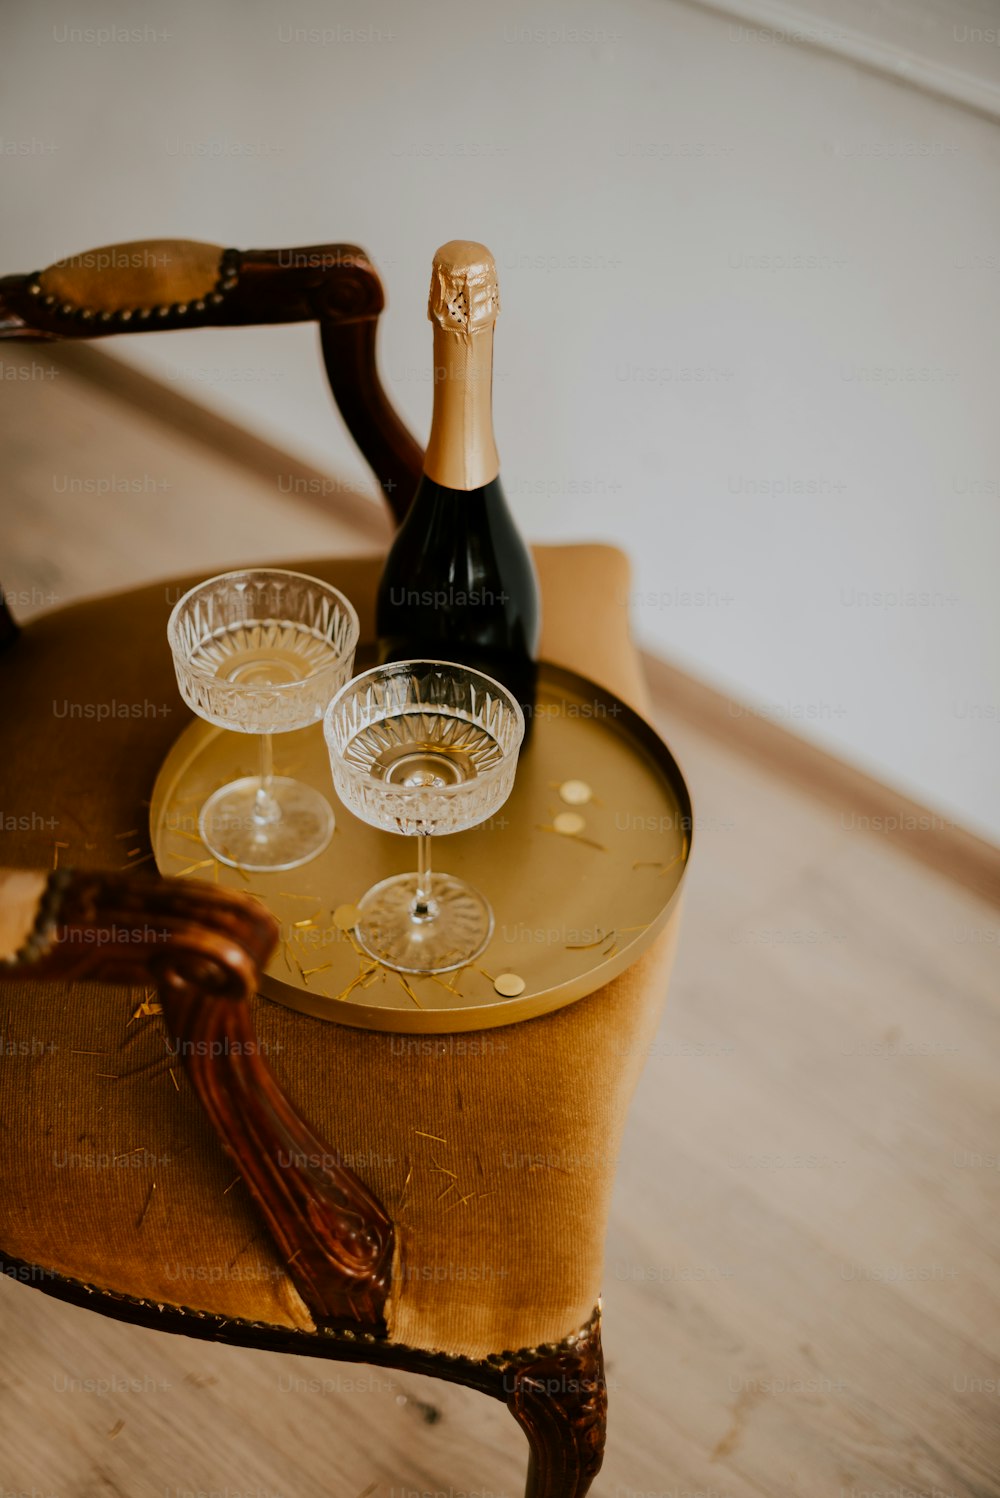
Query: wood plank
[
  {"x": 364, "y": 513},
  {"x": 105, "y": 488}
]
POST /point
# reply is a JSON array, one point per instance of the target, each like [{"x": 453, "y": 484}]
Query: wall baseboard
[{"x": 929, "y": 836}]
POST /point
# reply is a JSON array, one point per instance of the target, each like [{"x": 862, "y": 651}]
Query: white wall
[{"x": 750, "y": 306}]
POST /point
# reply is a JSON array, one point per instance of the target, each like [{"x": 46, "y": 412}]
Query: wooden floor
[{"x": 803, "y": 1275}]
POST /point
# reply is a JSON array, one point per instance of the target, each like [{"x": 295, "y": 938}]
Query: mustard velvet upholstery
[
  {"x": 143, "y": 273},
  {"x": 531, "y": 1114}
]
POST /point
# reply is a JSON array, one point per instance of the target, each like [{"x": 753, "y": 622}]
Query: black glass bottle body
[{"x": 459, "y": 585}]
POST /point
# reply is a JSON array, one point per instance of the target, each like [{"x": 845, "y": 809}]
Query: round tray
[{"x": 579, "y": 888}]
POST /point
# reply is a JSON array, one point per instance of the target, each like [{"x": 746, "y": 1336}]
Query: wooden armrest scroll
[
  {"x": 182, "y": 283},
  {"x": 204, "y": 947},
  {"x": 148, "y": 285}
]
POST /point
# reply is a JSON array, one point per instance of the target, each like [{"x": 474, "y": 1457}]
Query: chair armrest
[
  {"x": 204, "y": 947},
  {"x": 150, "y": 285}
]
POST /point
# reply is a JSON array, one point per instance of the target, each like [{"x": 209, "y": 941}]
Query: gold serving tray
[{"x": 573, "y": 907}]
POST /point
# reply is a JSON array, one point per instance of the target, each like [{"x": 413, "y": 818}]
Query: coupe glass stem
[
  {"x": 424, "y": 907},
  {"x": 265, "y": 808}
]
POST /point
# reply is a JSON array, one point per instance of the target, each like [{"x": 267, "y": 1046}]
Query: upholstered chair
[{"x": 313, "y": 1188}]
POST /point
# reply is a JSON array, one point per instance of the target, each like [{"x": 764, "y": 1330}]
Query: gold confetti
[
  {"x": 191, "y": 868},
  {"x": 359, "y": 979},
  {"x": 346, "y": 917},
  {"x": 461, "y": 1202},
  {"x": 408, "y": 990},
  {"x": 357, "y": 948},
  {"x": 121, "y": 836},
  {"x": 564, "y": 818},
  {"x": 575, "y": 792},
  {"x": 136, "y": 861},
  {"x": 436, "y": 1137},
  {"x": 509, "y": 985},
  {"x": 406, "y": 1187},
  {"x": 448, "y": 987},
  {"x": 149, "y": 1198},
  {"x": 569, "y": 823},
  {"x": 586, "y": 946}
]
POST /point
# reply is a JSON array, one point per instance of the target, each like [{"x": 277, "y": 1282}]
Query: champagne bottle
[{"x": 459, "y": 583}]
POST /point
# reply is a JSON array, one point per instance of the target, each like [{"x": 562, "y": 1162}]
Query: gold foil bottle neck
[{"x": 464, "y": 295}]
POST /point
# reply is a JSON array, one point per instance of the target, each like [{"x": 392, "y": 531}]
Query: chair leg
[{"x": 561, "y": 1402}]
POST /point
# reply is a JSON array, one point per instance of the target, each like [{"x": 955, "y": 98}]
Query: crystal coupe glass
[
  {"x": 262, "y": 652},
  {"x": 423, "y": 748}
]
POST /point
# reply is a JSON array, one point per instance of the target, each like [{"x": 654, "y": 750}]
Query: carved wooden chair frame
[{"x": 203, "y": 947}]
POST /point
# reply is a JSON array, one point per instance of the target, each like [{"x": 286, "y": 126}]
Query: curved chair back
[{"x": 169, "y": 284}]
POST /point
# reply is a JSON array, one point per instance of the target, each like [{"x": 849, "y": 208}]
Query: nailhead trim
[
  {"x": 495, "y": 1360},
  {"x": 39, "y": 940},
  {"x": 226, "y": 281}
]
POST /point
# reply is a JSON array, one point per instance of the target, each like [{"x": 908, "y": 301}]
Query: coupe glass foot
[
  {"x": 298, "y": 825},
  {"x": 455, "y": 934}
]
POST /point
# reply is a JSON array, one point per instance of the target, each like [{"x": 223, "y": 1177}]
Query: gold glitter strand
[
  {"x": 192, "y": 867},
  {"x": 146, "y": 1207},
  {"x": 407, "y": 989},
  {"x": 587, "y": 946},
  {"x": 135, "y": 862}
]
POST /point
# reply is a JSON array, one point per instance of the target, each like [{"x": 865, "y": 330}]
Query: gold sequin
[
  {"x": 509, "y": 985},
  {"x": 575, "y": 792}
]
